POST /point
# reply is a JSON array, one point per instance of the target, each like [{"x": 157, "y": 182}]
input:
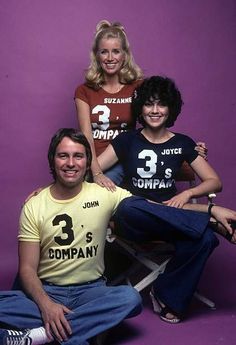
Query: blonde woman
[{"x": 103, "y": 101}]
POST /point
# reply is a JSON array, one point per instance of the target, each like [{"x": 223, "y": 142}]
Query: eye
[
  {"x": 62, "y": 155},
  {"x": 102, "y": 51},
  {"x": 148, "y": 104},
  {"x": 116, "y": 51},
  {"x": 162, "y": 104},
  {"x": 79, "y": 156}
]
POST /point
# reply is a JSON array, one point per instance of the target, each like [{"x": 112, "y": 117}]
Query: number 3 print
[
  {"x": 103, "y": 117},
  {"x": 150, "y": 164}
]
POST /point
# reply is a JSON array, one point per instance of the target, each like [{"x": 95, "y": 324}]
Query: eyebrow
[{"x": 69, "y": 153}]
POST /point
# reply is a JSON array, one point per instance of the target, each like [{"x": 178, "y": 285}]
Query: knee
[
  {"x": 124, "y": 205},
  {"x": 131, "y": 300},
  {"x": 128, "y": 206}
]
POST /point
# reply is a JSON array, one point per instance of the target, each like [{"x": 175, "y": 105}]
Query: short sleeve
[
  {"x": 28, "y": 229},
  {"x": 189, "y": 149},
  {"x": 81, "y": 93}
]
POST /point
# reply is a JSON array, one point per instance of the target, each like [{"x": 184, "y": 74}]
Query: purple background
[{"x": 45, "y": 48}]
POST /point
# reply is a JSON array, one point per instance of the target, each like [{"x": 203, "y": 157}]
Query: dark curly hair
[
  {"x": 75, "y": 136},
  {"x": 161, "y": 88}
]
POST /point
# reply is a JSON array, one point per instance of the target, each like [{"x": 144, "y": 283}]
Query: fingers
[
  {"x": 58, "y": 329},
  {"x": 34, "y": 193},
  {"x": 48, "y": 332},
  {"x": 234, "y": 237},
  {"x": 105, "y": 182},
  {"x": 178, "y": 200},
  {"x": 174, "y": 204},
  {"x": 201, "y": 149},
  {"x": 56, "y": 324},
  {"x": 227, "y": 227},
  {"x": 202, "y": 144}
]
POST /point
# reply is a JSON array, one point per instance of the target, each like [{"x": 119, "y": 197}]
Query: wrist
[
  {"x": 209, "y": 210},
  {"x": 98, "y": 173},
  {"x": 190, "y": 193}
]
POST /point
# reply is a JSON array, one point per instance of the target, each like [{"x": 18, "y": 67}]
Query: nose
[
  {"x": 110, "y": 56},
  {"x": 70, "y": 162},
  {"x": 155, "y": 108}
]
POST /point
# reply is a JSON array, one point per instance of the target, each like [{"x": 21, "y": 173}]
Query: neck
[
  {"x": 158, "y": 136},
  {"x": 111, "y": 79},
  {"x": 61, "y": 192},
  {"x": 112, "y": 84}
]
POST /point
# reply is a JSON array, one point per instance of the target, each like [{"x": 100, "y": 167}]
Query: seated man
[{"x": 61, "y": 245}]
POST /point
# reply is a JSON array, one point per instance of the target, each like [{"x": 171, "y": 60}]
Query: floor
[{"x": 202, "y": 325}]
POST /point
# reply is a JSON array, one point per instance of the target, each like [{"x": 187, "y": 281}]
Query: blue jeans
[
  {"x": 139, "y": 220},
  {"x": 96, "y": 308},
  {"x": 116, "y": 174}
]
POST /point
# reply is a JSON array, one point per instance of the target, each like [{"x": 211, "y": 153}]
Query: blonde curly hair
[{"x": 129, "y": 72}]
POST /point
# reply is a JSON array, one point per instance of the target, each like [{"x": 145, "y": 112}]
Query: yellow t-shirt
[{"x": 71, "y": 232}]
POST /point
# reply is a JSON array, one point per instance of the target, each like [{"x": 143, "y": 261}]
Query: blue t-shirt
[{"x": 150, "y": 169}]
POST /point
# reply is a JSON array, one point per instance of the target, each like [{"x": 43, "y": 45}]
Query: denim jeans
[
  {"x": 96, "y": 308},
  {"x": 116, "y": 174},
  {"x": 139, "y": 220}
]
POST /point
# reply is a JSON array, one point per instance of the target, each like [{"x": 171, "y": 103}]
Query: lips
[
  {"x": 70, "y": 172},
  {"x": 110, "y": 65},
  {"x": 155, "y": 116}
]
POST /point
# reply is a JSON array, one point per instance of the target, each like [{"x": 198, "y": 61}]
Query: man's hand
[{"x": 56, "y": 325}]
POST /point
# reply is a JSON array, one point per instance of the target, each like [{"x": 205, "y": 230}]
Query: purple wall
[{"x": 44, "y": 50}]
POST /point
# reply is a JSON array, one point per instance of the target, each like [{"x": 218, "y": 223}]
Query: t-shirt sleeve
[
  {"x": 118, "y": 196},
  {"x": 189, "y": 149},
  {"x": 81, "y": 93},
  {"x": 28, "y": 229},
  {"x": 120, "y": 144}
]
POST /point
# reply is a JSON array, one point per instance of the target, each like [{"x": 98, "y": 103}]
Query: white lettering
[
  {"x": 176, "y": 151},
  {"x": 168, "y": 173},
  {"x": 117, "y": 100},
  {"x": 106, "y": 135},
  {"x": 152, "y": 183}
]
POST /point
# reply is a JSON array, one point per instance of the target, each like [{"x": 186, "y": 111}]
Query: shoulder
[
  {"x": 34, "y": 205},
  {"x": 83, "y": 90},
  {"x": 183, "y": 138},
  {"x": 102, "y": 194},
  {"x": 125, "y": 136},
  {"x": 40, "y": 197},
  {"x": 132, "y": 86}
]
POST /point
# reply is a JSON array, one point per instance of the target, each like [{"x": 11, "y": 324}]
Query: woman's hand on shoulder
[
  {"x": 201, "y": 149},
  {"x": 34, "y": 193},
  {"x": 104, "y": 181}
]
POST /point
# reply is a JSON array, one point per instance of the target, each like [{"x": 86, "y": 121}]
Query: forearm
[
  {"x": 95, "y": 166},
  {"x": 107, "y": 158},
  {"x": 205, "y": 188},
  {"x": 33, "y": 287},
  {"x": 196, "y": 207}
]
